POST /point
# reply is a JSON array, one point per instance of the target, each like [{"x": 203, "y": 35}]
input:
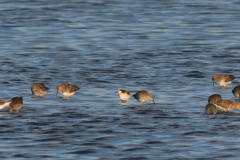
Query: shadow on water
[{"x": 226, "y": 112}]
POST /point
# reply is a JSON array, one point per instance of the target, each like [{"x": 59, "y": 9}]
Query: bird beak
[
  {"x": 57, "y": 92},
  {"x": 153, "y": 101},
  {"x": 213, "y": 83}
]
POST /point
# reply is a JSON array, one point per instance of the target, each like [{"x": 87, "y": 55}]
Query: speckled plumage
[
  {"x": 211, "y": 109},
  {"x": 236, "y": 92},
  {"x": 123, "y": 95},
  {"x": 67, "y": 89},
  {"x": 214, "y": 98},
  {"x": 3, "y": 104},
  {"x": 222, "y": 79},
  {"x": 227, "y": 105},
  {"x": 143, "y": 96},
  {"x": 224, "y": 104},
  {"x": 39, "y": 89},
  {"x": 16, "y": 104}
]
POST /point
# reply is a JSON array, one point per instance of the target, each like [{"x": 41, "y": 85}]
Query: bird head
[{"x": 152, "y": 98}]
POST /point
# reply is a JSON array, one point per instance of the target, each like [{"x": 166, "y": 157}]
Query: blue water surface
[{"x": 169, "y": 48}]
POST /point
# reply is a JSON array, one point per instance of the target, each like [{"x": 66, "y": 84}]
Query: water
[{"x": 169, "y": 48}]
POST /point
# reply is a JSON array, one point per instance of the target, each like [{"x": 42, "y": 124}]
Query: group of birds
[
  {"x": 140, "y": 96},
  {"x": 215, "y": 101},
  {"x": 39, "y": 90},
  {"x": 15, "y": 104}
]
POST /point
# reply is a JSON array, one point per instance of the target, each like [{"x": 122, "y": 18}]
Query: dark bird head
[
  {"x": 214, "y": 79},
  {"x": 134, "y": 95},
  {"x": 152, "y": 98}
]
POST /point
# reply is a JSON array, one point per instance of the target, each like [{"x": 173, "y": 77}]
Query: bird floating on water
[
  {"x": 223, "y": 80},
  {"x": 223, "y": 104},
  {"x": 123, "y": 95},
  {"x": 211, "y": 109},
  {"x": 143, "y": 96},
  {"x": 67, "y": 89},
  {"x": 39, "y": 89},
  {"x": 16, "y": 104},
  {"x": 227, "y": 105}
]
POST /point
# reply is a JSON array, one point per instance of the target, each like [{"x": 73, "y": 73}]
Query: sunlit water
[{"x": 169, "y": 48}]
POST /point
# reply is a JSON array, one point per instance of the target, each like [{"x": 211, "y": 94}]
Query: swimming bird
[
  {"x": 236, "y": 92},
  {"x": 224, "y": 104},
  {"x": 67, "y": 89},
  {"x": 16, "y": 104},
  {"x": 3, "y": 104},
  {"x": 123, "y": 95},
  {"x": 227, "y": 105},
  {"x": 214, "y": 98},
  {"x": 222, "y": 79},
  {"x": 39, "y": 89},
  {"x": 143, "y": 96},
  {"x": 211, "y": 109}
]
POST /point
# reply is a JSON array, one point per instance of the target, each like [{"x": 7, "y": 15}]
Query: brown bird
[
  {"x": 67, "y": 89},
  {"x": 211, "y": 109},
  {"x": 123, "y": 95},
  {"x": 39, "y": 89},
  {"x": 16, "y": 104},
  {"x": 143, "y": 96},
  {"x": 222, "y": 79},
  {"x": 236, "y": 92},
  {"x": 3, "y": 104},
  {"x": 214, "y": 98},
  {"x": 227, "y": 105}
]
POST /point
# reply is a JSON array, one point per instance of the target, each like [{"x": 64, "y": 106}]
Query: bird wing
[
  {"x": 227, "y": 104},
  {"x": 229, "y": 78},
  {"x": 124, "y": 91},
  {"x": 43, "y": 87},
  {"x": 73, "y": 88}
]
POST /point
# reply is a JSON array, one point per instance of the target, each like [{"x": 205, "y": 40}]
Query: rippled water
[{"x": 169, "y": 48}]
